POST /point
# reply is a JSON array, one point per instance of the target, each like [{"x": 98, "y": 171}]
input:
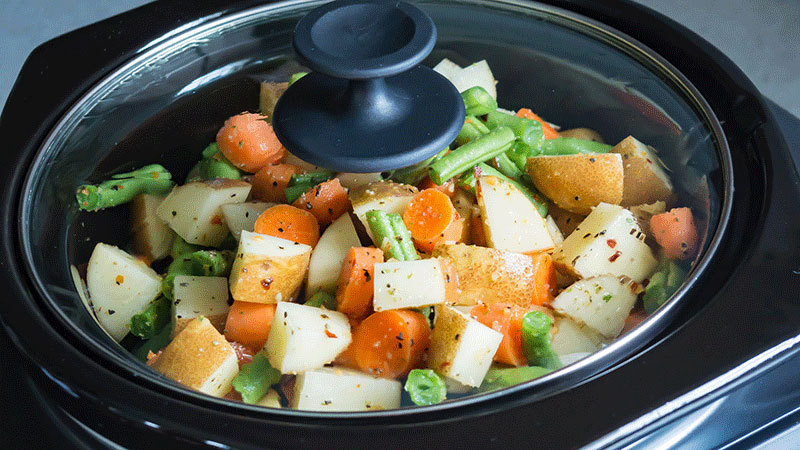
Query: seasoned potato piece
[
  {"x": 461, "y": 348},
  {"x": 267, "y": 269},
  {"x": 467, "y": 207},
  {"x": 646, "y": 181},
  {"x": 567, "y": 221},
  {"x": 199, "y": 358},
  {"x": 572, "y": 338},
  {"x": 303, "y": 337},
  {"x": 335, "y": 389},
  {"x": 152, "y": 237},
  {"x": 602, "y": 303},
  {"x": 354, "y": 180},
  {"x": 487, "y": 275},
  {"x": 608, "y": 241},
  {"x": 554, "y": 231},
  {"x": 408, "y": 284},
  {"x": 268, "y": 97},
  {"x": 386, "y": 196},
  {"x": 477, "y": 74},
  {"x": 329, "y": 254},
  {"x": 586, "y": 134},
  {"x": 578, "y": 182},
  {"x": 200, "y": 296},
  {"x": 243, "y": 216}
]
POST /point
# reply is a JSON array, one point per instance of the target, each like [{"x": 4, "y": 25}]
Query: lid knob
[{"x": 368, "y": 105}]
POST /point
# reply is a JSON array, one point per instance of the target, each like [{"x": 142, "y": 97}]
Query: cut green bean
[
  {"x": 507, "y": 167},
  {"x": 416, "y": 173},
  {"x": 467, "y": 181},
  {"x": 122, "y": 188},
  {"x": 478, "y": 102},
  {"x": 533, "y": 195},
  {"x": 536, "y": 341},
  {"x": 322, "y": 298},
  {"x": 296, "y": 76},
  {"x": 181, "y": 248},
  {"x": 392, "y": 235},
  {"x": 665, "y": 281},
  {"x": 212, "y": 263},
  {"x": 525, "y": 130},
  {"x": 498, "y": 378},
  {"x": 255, "y": 378},
  {"x": 180, "y": 266},
  {"x": 472, "y": 129},
  {"x": 403, "y": 237},
  {"x": 292, "y": 193},
  {"x": 572, "y": 146},
  {"x": 146, "y": 324},
  {"x": 425, "y": 387},
  {"x": 465, "y": 157},
  {"x": 311, "y": 178},
  {"x": 160, "y": 340}
]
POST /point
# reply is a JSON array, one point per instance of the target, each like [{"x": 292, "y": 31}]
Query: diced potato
[
  {"x": 408, "y": 284},
  {"x": 572, "y": 338},
  {"x": 467, "y": 207},
  {"x": 304, "y": 337},
  {"x": 329, "y": 254},
  {"x": 578, "y": 182},
  {"x": 461, "y": 348},
  {"x": 354, "y": 180},
  {"x": 152, "y": 237},
  {"x": 267, "y": 269},
  {"x": 200, "y": 296},
  {"x": 586, "y": 134},
  {"x": 567, "y": 221},
  {"x": 601, "y": 302},
  {"x": 242, "y": 216},
  {"x": 199, "y": 358},
  {"x": 646, "y": 180},
  {"x": 268, "y": 97},
  {"x": 120, "y": 286},
  {"x": 510, "y": 220},
  {"x": 193, "y": 210},
  {"x": 477, "y": 74},
  {"x": 608, "y": 241},
  {"x": 307, "y": 166},
  {"x": 447, "y": 68},
  {"x": 386, "y": 196},
  {"x": 270, "y": 400},
  {"x": 335, "y": 389},
  {"x": 83, "y": 293},
  {"x": 487, "y": 275},
  {"x": 554, "y": 231}
]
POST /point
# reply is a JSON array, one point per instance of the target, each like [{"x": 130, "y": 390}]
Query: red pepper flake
[
  {"x": 329, "y": 334},
  {"x": 611, "y": 243},
  {"x": 614, "y": 257},
  {"x": 217, "y": 220},
  {"x": 648, "y": 161}
]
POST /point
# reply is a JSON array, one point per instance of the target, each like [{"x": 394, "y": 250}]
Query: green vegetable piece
[
  {"x": 533, "y": 195},
  {"x": 180, "y": 266},
  {"x": 212, "y": 263},
  {"x": 536, "y": 341},
  {"x": 572, "y": 146},
  {"x": 296, "y": 76},
  {"x": 390, "y": 231},
  {"x": 478, "y": 102},
  {"x": 668, "y": 278},
  {"x": 213, "y": 165},
  {"x": 292, "y": 193},
  {"x": 465, "y": 157},
  {"x": 403, "y": 237},
  {"x": 425, "y": 387},
  {"x": 427, "y": 312},
  {"x": 526, "y": 131},
  {"x": 210, "y": 151},
  {"x": 157, "y": 314},
  {"x": 416, "y": 173},
  {"x": 322, "y": 298},
  {"x": 498, "y": 378},
  {"x": 161, "y": 339},
  {"x": 255, "y": 378},
  {"x": 472, "y": 129},
  {"x": 122, "y": 188},
  {"x": 181, "y": 248},
  {"x": 508, "y": 167},
  {"x": 467, "y": 181},
  {"x": 311, "y": 178}
]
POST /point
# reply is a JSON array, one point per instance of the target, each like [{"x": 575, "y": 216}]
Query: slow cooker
[{"x": 154, "y": 83}]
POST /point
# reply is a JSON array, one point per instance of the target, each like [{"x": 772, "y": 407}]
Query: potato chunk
[
  {"x": 461, "y": 348},
  {"x": 120, "y": 286},
  {"x": 200, "y": 358},
  {"x": 386, "y": 196},
  {"x": 200, "y": 296},
  {"x": 242, "y": 216},
  {"x": 608, "y": 241},
  {"x": 408, "y": 284},
  {"x": 572, "y": 338},
  {"x": 646, "y": 180},
  {"x": 578, "y": 182},
  {"x": 601, "y": 302},
  {"x": 304, "y": 337},
  {"x": 354, "y": 180},
  {"x": 267, "y": 269},
  {"x": 335, "y": 389},
  {"x": 193, "y": 210},
  {"x": 329, "y": 254},
  {"x": 152, "y": 237}
]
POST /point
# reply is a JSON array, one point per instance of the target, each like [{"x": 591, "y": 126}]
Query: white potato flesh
[
  {"x": 477, "y": 74},
  {"x": 608, "y": 241},
  {"x": 572, "y": 338},
  {"x": 354, "y": 180},
  {"x": 193, "y": 210},
  {"x": 555, "y": 232},
  {"x": 304, "y": 337},
  {"x": 152, "y": 237},
  {"x": 447, "y": 68},
  {"x": 270, "y": 400},
  {"x": 329, "y": 254},
  {"x": 408, "y": 284},
  {"x": 200, "y": 296},
  {"x": 461, "y": 348},
  {"x": 83, "y": 293},
  {"x": 510, "y": 220},
  {"x": 242, "y": 216},
  {"x": 335, "y": 389},
  {"x": 602, "y": 303},
  {"x": 120, "y": 286}
]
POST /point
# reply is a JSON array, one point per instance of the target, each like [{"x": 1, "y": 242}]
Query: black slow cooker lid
[{"x": 714, "y": 333}]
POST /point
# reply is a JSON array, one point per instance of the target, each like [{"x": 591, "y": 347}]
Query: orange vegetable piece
[
  {"x": 544, "y": 274},
  {"x": 431, "y": 218},
  {"x": 390, "y": 343},
  {"x": 354, "y": 295},
  {"x": 478, "y": 235},
  {"x": 549, "y": 131},
  {"x": 249, "y": 142},
  {"x": 290, "y": 223},
  {"x": 448, "y": 187},
  {"x": 676, "y": 232},
  {"x": 249, "y": 324},
  {"x": 326, "y": 201},
  {"x": 270, "y": 181},
  {"x": 505, "y": 318}
]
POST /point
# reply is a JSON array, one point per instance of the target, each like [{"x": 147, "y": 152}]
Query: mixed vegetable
[{"x": 519, "y": 249}]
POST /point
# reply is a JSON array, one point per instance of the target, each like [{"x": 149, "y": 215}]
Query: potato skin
[
  {"x": 645, "y": 179},
  {"x": 582, "y": 133},
  {"x": 267, "y": 279},
  {"x": 487, "y": 275},
  {"x": 444, "y": 346}
]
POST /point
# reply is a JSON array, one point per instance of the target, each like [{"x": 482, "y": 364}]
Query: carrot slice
[
  {"x": 448, "y": 187},
  {"x": 271, "y": 180},
  {"x": 549, "y": 131},
  {"x": 288, "y": 222},
  {"x": 249, "y": 142},
  {"x": 431, "y": 218},
  {"x": 544, "y": 275},
  {"x": 249, "y": 324},
  {"x": 676, "y": 232},
  {"x": 326, "y": 201},
  {"x": 505, "y": 318},
  {"x": 390, "y": 343},
  {"x": 354, "y": 295}
]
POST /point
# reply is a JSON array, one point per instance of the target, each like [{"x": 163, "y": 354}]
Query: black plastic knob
[{"x": 368, "y": 105}]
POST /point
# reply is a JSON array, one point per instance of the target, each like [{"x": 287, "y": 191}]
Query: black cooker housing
[{"x": 743, "y": 317}]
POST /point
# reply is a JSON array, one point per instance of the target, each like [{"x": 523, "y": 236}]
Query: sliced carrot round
[
  {"x": 505, "y": 318},
  {"x": 270, "y": 181},
  {"x": 249, "y": 142},
  {"x": 290, "y": 223},
  {"x": 390, "y": 343},
  {"x": 326, "y": 201},
  {"x": 676, "y": 232},
  {"x": 249, "y": 324},
  {"x": 354, "y": 294},
  {"x": 431, "y": 218}
]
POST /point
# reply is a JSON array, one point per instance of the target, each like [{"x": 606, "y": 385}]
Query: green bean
[
  {"x": 536, "y": 340},
  {"x": 292, "y": 193},
  {"x": 322, "y": 298},
  {"x": 153, "y": 318},
  {"x": 311, "y": 178},
  {"x": 160, "y": 340},
  {"x": 392, "y": 235},
  {"x": 668, "y": 278},
  {"x": 416, "y": 173},
  {"x": 572, "y": 146},
  {"x": 122, "y": 188},
  {"x": 533, "y": 195},
  {"x": 255, "y": 378},
  {"x": 181, "y": 248},
  {"x": 465, "y": 157},
  {"x": 212, "y": 263},
  {"x": 472, "y": 129},
  {"x": 210, "y": 151},
  {"x": 525, "y": 130},
  {"x": 425, "y": 387},
  {"x": 180, "y": 266},
  {"x": 468, "y": 182},
  {"x": 508, "y": 167},
  {"x": 296, "y": 76},
  {"x": 478, "y": 102},
  {"x": 403, "y": 237},
  {"x": 498, "y": 378}
]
